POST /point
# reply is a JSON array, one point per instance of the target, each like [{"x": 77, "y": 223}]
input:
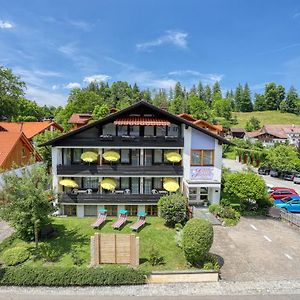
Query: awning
[
  {"x": 111, "y": 156},
  {"x": 174, "y": 157},
  {"x": 68, "y": 183},
  {"x": 89, "y": 156},
  {"x": 143, "y": 121},
  {"x": 170, "y": 184},
  {"x": 108, "y": 184}
]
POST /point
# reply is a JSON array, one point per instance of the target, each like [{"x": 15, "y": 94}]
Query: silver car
[{"x": 297, "y": 178}]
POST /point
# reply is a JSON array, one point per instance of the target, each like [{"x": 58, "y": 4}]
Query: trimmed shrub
[
  {"x": 227, "y": 212},
  {"x": 72, "y": 276},
  {"x": 155, "y": 258},
  {"x": 214, "y": 208},
  {"x": 15, "y": 256},
  {"x": 173, "y": 208},
  {"x": 197, "y": 239}
]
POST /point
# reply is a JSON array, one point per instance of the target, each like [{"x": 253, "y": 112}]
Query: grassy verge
[{"x": 74, "y": 237}]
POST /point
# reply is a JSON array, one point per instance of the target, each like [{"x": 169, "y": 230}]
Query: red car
[{"x": 282, "y": 193}]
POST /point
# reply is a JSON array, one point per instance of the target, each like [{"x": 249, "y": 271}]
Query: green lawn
[
  {"x": 75, "y": 233},
  {"x": 266, "y": 117}
]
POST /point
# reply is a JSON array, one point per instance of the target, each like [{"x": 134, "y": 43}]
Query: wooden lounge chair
[
  {"x": 140, "y": 222},
  {"x": 101, "y": 218},
  {"x": 121, "y": 220}
]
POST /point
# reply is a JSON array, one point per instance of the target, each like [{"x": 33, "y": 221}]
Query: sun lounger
[
  {"x": 140, "y": 222},
  {"x": 121, "y": 220},
  {"x": 101, "y": 218}
]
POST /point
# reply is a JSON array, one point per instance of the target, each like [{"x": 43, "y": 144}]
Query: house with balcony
[{"x": 132, "y": 157}]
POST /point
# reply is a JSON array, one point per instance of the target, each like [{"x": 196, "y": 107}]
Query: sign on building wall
[{"x": 205, "y": 174}]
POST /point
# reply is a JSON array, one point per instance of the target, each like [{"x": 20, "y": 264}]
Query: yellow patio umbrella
[
  {"x": 173, "y": 157},
  {"x": 68, "y": 183},
  {"x": 108, "y": 184},
  {"x": 170, "y": 184},
  {"x": 111, "y": 156},
  {"x": 89, "y": 156}
]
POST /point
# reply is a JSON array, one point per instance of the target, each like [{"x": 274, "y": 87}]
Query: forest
[{"x": 202, "y": 101}]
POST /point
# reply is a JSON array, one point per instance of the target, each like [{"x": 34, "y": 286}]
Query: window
[
  {"x": 160, "y": 131},
  {"x": 135, "y": 157},
  {"x": 122, "y": 130},
  {"x": 67, "y": 156},
  {"x": 202, "y": 158},
  {"x": 134, "y": 130},
  {"x": 148, "y": 157},
  {"x": 90, "y": 182},
  {"x": 149, "y": 131},
  {"x": 157, "y": 183},
  {"x": 109, "y": 129},
  {"x": 76, "y": 156},
  {"x": 147, "y": 185},
  {"x": 158, "y": 156},
  {"x": 131, "y": 209},
  {"x": 173, "y": 130},
  {"x": 135, "y": 185},
  {"x": 112, "y": 210},
  {"x": 125, "y": 156},
  {"x": 90, "y": 210},
  {"x": 124, "y": 183},
  {"x": 70, "y": 210},
  {"x": 151, "y": 210}
]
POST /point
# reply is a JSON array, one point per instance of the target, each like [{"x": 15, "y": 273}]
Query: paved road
[
  {"x": 74, "y": 297},
  {"x": 236, "y": 166},
  {"x": 258, "y": 249}
]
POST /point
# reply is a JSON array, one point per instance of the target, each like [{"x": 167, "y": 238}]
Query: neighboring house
[
  {"x": 143, "y": 136},
  {"x": 15, "y": 149},
  {"x": 31, "y": 129},
  {"x": 270, "y": 134},
  {"x": 237, "y": 132},
  {"x": 217, "y": 129},
  {"x": 79, "y": 120}
]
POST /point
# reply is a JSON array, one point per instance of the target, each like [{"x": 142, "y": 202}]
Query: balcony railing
[
  {"x": 120, "y": 170},
  {"x": 129, "y": 141},
  {"x": 108, "y": 198}
]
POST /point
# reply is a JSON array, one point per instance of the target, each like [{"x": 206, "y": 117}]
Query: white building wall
[
  {"x": 55, "y": 158},
  {"x": 80, "y": 211},
  {"x": 186, "y": 159},
  {"x": 218, "y": 155}
]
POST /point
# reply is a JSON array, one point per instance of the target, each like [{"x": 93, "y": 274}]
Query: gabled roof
[
  {"x": 278, "y": 131},
  {"x": 8, "y": 140},
  {"x": 30, "y": 129},
  {"x": 187, "y": 117},
  {"x": 79, "y": 118},
  {"x": 139, "y": 106},
  {"x": 235, "y": 129}
]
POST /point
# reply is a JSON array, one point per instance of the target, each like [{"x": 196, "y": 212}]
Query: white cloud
[
  {"x": 177, "y": 38},
  {"x": 6, "y": 25},
  {"x": 80, "y": 24},
  {"x": 68, "y": 49},
  {"x": 96, "y": 77},
  {"x": 73, "y": 85},
  {"x": 43, "y": 96}
]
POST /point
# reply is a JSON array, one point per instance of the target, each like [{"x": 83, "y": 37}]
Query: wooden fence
[
  {"x": 294, "y": 219},
  {"x": 112, "y": 248}
]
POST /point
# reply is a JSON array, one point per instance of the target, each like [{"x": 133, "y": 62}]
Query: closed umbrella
[
  {"x": 111, "y": 156},
  {"x": 89, "y": 156},
  {"x": 173, "y": 157},
  {"x": 108, "y": 184},
  {"x": 68, "y": 183},
  {"x": 170, "y": 184}
]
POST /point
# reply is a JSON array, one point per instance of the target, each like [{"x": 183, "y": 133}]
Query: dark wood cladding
[
  {"x": 119, "y": 170},
  {"x": 108, "y": 198},
  {"x": 118, "y": 141}
]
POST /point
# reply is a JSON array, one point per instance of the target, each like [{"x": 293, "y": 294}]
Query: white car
[{"x": 297, "y": 178}]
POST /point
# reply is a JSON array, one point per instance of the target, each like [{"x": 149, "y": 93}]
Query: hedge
[
  {"x": 72, "y": 276},
  {"x": 14, "y": 256}
]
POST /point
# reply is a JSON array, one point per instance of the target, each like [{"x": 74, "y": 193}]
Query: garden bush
[
  {"x": 173, "y": 208},
  {"x": 197, "y": 239},
  {"x": 214, "y": 208},
  {"x": 15, "y": 256},
  {"x": 155, "y": 258},
  {"x": 72, "y": 276}
]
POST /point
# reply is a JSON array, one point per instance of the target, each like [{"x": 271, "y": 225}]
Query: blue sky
[{"x": 56, "y": 45}]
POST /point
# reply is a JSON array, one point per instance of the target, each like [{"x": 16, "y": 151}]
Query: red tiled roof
[
  {"x": 8, "y": 141},
  {"x": 279, "y": 131},
  {"x": 79, "y": 118},
  {"x": 145, "y": 121},
  {"x": 187, "y": 117},
  {"x": 30, "y": 129},
  {"x": 237, "y": 129}
]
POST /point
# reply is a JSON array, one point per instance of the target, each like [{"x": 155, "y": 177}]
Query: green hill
[{"x": 266, "y": 117}]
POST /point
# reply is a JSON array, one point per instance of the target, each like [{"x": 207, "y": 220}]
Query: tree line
[{"x": 202, "y": 101}]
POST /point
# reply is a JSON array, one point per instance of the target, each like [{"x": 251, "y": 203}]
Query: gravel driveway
[{"x": 258, "y": 249}]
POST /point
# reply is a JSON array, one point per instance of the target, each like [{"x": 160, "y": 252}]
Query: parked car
[
  {"x": 288, "y": 176},
  {"x": 282, "y": 193},
  {"x": 275, "y": 173},
  {"x": 286, "y": 199},
  {"x": 264, "y": 170},
  {"x": 272, "y": 188},
  {"x": 297, "y": 178},
  {"x": 292, "y": 205}
]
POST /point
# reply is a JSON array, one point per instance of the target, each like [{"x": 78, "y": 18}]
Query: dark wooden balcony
[
  {"x": 120, "y": 170},
  {"x": 125, "y": 141},
  {"x": 109, "y": 198}
]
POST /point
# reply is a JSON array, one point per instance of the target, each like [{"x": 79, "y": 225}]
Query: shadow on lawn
[{"x": 52, "y": 250}]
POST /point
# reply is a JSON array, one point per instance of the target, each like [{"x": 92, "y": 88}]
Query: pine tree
[
  {"x": 217, "y": 94},
  {"x": 259, "y": 102},
  {"x": 201, "y": 91},
  {"x": 290, "y": 104},
  {"x": 246, "y": 103},
  {"x": 161, "y": 100},
  {"x": 281, "y": 95},
  {"x": 238, "y": 97},
  {"x": 208, "y": 95}
]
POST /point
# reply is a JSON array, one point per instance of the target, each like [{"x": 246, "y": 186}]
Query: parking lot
[{"x": 258, "y": 249}]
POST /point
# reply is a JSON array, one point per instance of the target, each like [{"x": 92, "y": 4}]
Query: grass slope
[
  {"x": 75, "y": 233},
  {"x": 266, "y": 117}
]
